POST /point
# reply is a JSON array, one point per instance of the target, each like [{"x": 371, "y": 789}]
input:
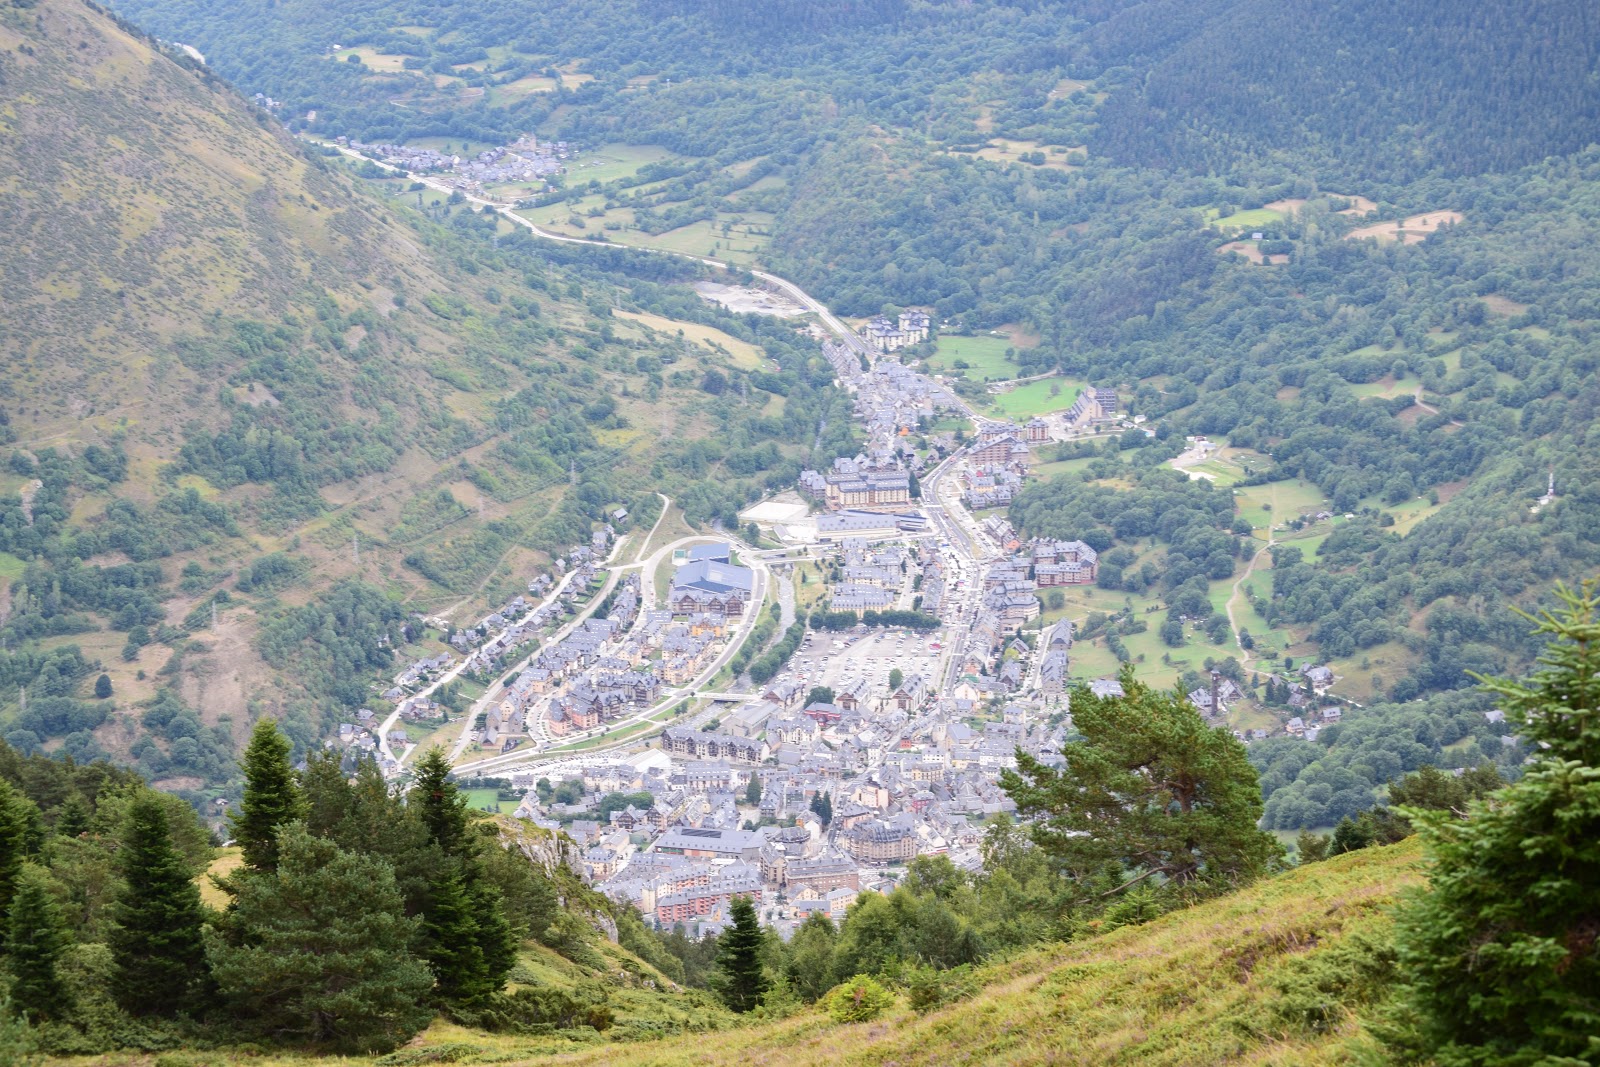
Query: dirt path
[{"x": 1238, "y": 587}]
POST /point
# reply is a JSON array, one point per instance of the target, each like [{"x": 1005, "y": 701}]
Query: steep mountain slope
[
  {"x": 143, "y": 201},
  {"x": 254, "y": 419},
  {"x": 1368, "y": 90}
]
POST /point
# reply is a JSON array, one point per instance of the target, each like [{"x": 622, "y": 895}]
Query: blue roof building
[{"x": 713, "y": 577}]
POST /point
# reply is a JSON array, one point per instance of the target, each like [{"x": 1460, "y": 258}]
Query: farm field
[
  {"x": 478, "y": 799},
  {"x": 609, "y": 162},
  {"x": 1037, "y": 398},
  {"x": 1266, "y": 505},
  {"x": 984, "y": 356},
  {"x": 372, "y": 59},
  {"x": 1412, "y": 230},
  {"x": 1245, "y": 220},
  {"x": 1056, "y": 468},
  {"x": 521, "y": 89}
]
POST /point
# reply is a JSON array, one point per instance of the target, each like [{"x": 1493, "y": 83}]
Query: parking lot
[{"x": 834, "y": 660}]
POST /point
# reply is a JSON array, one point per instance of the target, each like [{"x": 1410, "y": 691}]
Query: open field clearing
[
  {"x": 744, "y": 354},
  {"x": 981, "y": 358},
  {"x": 1251, "y": 250},
  {"x": 1038, "y": 398},
  {"x": 1409, "y": 231}
]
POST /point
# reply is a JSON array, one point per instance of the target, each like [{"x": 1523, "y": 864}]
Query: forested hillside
[
  {"x": 256, "y": 421},
  {"x": 1355, "y": 88}
]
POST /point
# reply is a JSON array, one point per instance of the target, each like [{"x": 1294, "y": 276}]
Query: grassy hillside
[
  {"x": 230, "y": 362},
  {"x": 1271, "y": 975},
  {"x": 1245, "y": 979}
]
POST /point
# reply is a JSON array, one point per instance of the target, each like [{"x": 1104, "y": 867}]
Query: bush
[
  {"x": 929, "y": 989},
  {"x": 858, "y": 1000}
]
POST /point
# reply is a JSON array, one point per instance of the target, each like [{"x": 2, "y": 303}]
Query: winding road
[{"x": 806, "y": 300}]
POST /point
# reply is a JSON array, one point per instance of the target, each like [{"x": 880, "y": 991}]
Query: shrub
[{"x": 858, "y": 1000}]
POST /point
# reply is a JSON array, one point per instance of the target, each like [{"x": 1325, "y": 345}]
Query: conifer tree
[
  {"x": 469, "y": 942},
  {"x": 451, "y": 937},
  {"x": 1500, "y": 957},
  {"x": 156, "y": 944},
  {"x": 440, "y": 804},
  {"x": 271, "y": 796},
  {"x": 319, "y": 950},
  {"x": 36, "y": 939},
  {"x": 1151, "y": 792},
  {"x": 14, "y": 847},
  {"x": 74, "y": 817},
  {"x": 495, "y": 937},
  {"x": 740, "y": 980}
]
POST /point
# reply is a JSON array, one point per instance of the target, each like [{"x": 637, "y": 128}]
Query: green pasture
[{"x": 984, "y": 356}]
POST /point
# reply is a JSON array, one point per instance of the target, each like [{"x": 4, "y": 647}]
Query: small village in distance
[{"x": 896, "y": 605}]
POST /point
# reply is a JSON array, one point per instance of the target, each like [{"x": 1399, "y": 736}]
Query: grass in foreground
[{"x": 1244, "y": 979}]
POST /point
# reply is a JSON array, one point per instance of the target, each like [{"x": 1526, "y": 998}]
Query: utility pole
[
  {"x": 355, "y": 549},
  {"x": 213, "y": 616},
  {"x": 572, "y": 473}
]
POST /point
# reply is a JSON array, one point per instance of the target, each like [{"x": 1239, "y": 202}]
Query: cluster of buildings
[
  {"x": 996, "y": 465},
  {"x": 1094, "y": 405},
  {"x": 872, "y": 577},
  {"x": 527, "y": 159},
  {"x": 898, "y": 784},
  {"x": 709, "y": 584},
  {"x": 886, "y": 335},
  {"x": 860, "y": 484}
]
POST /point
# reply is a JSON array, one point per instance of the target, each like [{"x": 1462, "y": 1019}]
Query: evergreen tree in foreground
[
  {"x": 440, "y": 804},
  {"x": 13, "y": 841},
  {"x": 1151, "y": 792},
  {"x": 36, "y": 938},
  {"x": 271, "y": 797},
  {"x": 739, "y": 980},
  {"x": 320, "y": 951},
  {"x": 450, "y": 940},
  {"x": 467, "y": 939},
  {"x": 156, "y": 944},
  {"x": 1501, "y": 956}
]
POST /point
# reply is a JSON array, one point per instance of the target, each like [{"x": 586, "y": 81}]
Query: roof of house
[
  {"x": 718, "y": 552},
  {"x": 714, "y": 577}
]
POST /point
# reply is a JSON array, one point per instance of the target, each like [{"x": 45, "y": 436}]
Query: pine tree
[
  {"x": 1499, "y": 957},
  {"x": 327, "y": 795},
  {"x": 740, "y": 980},
  {"x": 822, "y": 807},
  {"x": 75, "y": 816},
  {"x": 440, "y": 804},
  {"x": 1151, "y": 792},
  {"x": 156, "y": 944},
  {"x": 752, "y": 792},
  {"x": 495, "y": 937},
  {"x": 451, "y": 939},
  {"x": 271, "y": 796},
  {"x": 36, "y": 939},
  {"x": 14, "y": 848},
  {"x": 18, "y": 1047},
  {"x": 318, "y": 950},
  {"x": 470, "y": 943}
]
